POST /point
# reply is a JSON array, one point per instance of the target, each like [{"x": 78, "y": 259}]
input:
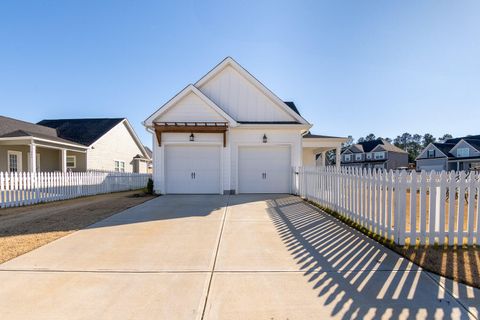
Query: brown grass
[{"x": 23, "y": 229}]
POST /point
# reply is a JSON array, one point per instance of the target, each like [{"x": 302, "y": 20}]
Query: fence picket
[
  {"x": 26, "y": 188},
  {"x": 441, "y": 206}
]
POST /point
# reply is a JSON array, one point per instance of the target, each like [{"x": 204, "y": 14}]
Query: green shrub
[{"x": 150, "y": 186}]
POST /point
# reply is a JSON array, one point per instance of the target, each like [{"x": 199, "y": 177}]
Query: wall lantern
[
  {"x": 264, "y": 139},
  {"x": 192, "y": 137}
]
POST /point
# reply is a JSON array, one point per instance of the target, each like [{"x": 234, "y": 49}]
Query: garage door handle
[{"x": 194, "y": 175}]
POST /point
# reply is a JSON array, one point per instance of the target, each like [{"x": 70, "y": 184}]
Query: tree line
[{"x": 412, "y": 143}]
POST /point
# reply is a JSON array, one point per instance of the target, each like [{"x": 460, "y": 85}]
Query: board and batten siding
[
  {"x": 116, "y": 144},
  {"x": 241, "y": 99},
  {"x": 191, "y": 109}
]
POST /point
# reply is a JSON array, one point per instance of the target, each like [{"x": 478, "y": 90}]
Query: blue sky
[{"x": 352, "y": 67}]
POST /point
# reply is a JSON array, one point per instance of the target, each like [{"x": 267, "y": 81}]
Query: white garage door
[
  {"x": 192, "y": 169},
  {"x": 264, "y": 169}
]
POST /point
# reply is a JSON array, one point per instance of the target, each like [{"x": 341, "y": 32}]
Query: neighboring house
[
  {"x": 150, "y": 156},
  {"x": 453, "y": 154},
  {"x": 70, "y": 145},
  {"x": 376, "y": 154},
  {"x": 228, "y": 133}
]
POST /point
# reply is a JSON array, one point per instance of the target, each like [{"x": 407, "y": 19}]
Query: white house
[{"x": 227, "y": 134}]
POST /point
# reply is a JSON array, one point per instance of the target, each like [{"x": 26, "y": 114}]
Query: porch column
[
  {"x": 324, "y": 158},
  {"x": 63, "y": 160},
  {"x": 338, "y": 157},
  {"x": 32, "y": 158}
]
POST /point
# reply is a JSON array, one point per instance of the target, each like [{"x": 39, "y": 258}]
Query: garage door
[
  {"x": 264, "y": 169},
  {"x": 192, "y": 169}
]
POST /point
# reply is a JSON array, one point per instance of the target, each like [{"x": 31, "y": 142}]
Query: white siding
[
  {"x": 229, "y": 156},
  {"x": 117, "y": 144},
  {"x": 241, "y": 99},
  {"x": 242, "y": 137},
  {"x": 191, "y": 109}
]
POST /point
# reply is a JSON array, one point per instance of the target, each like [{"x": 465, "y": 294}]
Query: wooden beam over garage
[{"x": 191, "y": 127}]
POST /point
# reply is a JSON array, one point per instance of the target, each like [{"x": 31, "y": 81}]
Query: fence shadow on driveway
[{"x": 356, "y": 277}]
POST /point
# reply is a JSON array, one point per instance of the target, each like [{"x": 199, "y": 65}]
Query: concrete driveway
[{"x": 224, "y": 257}]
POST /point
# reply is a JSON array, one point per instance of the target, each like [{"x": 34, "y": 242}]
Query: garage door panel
[
  {"x": 192, "y": 169},
  {"x": 264, "y": 169}
]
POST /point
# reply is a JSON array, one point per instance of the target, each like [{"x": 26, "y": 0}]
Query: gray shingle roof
[
  {"x": 82, "y": 131},
  {"x": 11, "y": 128}
]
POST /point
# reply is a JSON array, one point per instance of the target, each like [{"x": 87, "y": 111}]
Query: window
[
  {"x": 379, "y": 155},
  {"x": 369, "y": 156},
  {"x": 431, "y": 153},
  {"x": 358, "y": 157},
  {"x": 463, "y": 152},
  {"x": 348, "y": 157},
  {"x": 14, "y": 161},
  {"x": 119, "y": 166},
  {"x": 71, "y": 162}
]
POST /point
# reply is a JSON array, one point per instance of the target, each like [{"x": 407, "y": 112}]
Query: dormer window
[
  {"x": 358, "y": 157},
  {"x": 348, "y": 157},
  {"x": 431, "y": 153},
  {"x": 463, "y": 152}
]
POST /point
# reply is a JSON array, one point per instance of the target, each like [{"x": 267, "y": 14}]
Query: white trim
[
  {"x": 19, "y": 160},
  {"x": 260, "y": 144},
  {"x": 74, "y": 162},
  {"x": 466, "y": 143},
  {"x": 179, "y": 96},
  {"x": 304, "y": 127},
  {"x": 190, "y": 144},
  {"x": 419, "y": 157},
  {"x": 228, "y": 61},
  {"x": 45, "y": 140},
  {"x": 119, "y": 162}
]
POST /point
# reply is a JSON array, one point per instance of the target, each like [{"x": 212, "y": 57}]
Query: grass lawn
[{"x": 23, "y": 229}]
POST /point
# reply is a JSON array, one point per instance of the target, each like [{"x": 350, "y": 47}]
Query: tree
[
  {"x": 349, "y": 142},
  {"x": 446, "y": 136},
  {"x": 403, "y": 140},
  {"x": 427, "y": 139},
  {"x": 370, "y": 137}
]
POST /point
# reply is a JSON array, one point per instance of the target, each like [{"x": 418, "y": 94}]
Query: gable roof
[
  {"x": 456, "y": 140},
  {"x": 444, "y": 147},
  {"x": 13, "y": 128},
  {"x": 229, "y": 61},
  {"x": 82, "y": 131},
  {"x": 179, "y": 96},
  {"x": 369, "y": 146},
  {"x": 9, "y": 125},
  {"x": 292, "y": 106}
]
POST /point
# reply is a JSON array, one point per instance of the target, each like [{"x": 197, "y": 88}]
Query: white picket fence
[
  {"x": 422, "y": 207},
  {"x": 26, "y": 188}
]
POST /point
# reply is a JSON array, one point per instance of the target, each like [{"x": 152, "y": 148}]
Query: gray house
[
  {"x": 376, "y": 154},
  {"x": 71, "y": 145},
  {"x": 453, "y": 154}
]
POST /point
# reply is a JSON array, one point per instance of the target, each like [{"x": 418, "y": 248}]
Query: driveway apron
[{"x": 224, "y": 257}]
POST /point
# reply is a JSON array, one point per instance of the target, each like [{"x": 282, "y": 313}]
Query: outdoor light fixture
[
  {"x": 192, "y": 137},
  {"x": 264, "y": 138}
]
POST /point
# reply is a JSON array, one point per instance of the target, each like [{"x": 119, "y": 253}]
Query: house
[
  {"x": 452, "y": 154},
  {"x": 376, "y": 154},
  {"x": 228, "y": 133},
  {"x": 70, "y": 145}
]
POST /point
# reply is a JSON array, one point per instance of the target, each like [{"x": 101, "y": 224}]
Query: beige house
[{"x": 71, "y": 145}]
